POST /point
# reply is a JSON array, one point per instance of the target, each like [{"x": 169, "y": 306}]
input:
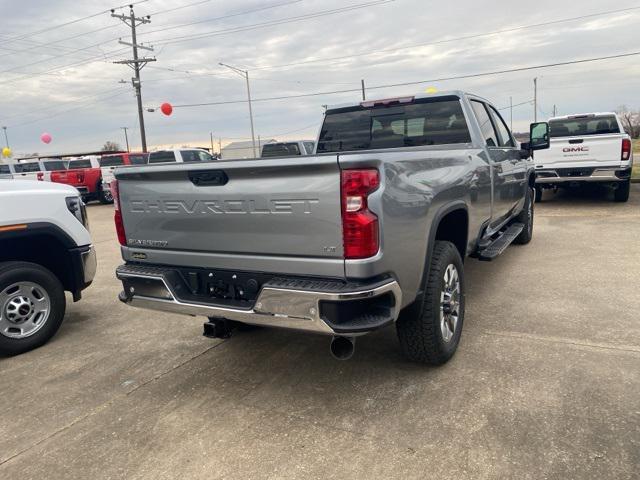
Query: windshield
[
  {"x": 75, "y": 164},
  {"x": 112, "y": 161},
  {"x": 280, "y": 150},
  {"x": 54, "y": 165},
  {"x": 587, "y": 125},
  {"x": 431, "y": 121}
]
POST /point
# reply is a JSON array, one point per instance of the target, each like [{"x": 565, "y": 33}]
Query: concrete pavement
[{"x": 545, "y": 384}]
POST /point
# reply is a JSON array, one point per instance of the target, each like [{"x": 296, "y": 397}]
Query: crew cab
[
  {"x": 287, "y": 149},
  {"x": 591, "y": 147},
  {"x": 370, "y": 231},
  {"x": 85, "y": 175},
  {"x": 37, "y": 169},
  {"x": 180, "y": 155},
  {"x": 45, "y": 250},
  {"x": 108, "y": 164}
]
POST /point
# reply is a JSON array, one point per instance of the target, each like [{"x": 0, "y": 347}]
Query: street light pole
[
  {"x": 6, "y": 139},
  {"x": 126, "y": 137},
  {"x": 245, "y": 74}
]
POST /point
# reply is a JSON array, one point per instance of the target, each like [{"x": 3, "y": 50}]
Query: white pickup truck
[
  {"x": 45, "y": 250},
  {"x": 590, "y": 147}
]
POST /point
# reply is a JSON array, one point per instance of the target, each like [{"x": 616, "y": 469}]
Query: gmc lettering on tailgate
[{"x": 225, "y": 207}]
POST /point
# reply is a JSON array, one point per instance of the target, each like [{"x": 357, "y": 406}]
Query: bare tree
[
  {"x": 630, "y": 120},
  {"x": 110, "y": 146}
]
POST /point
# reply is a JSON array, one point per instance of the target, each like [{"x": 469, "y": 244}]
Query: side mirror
[{"x": 539, "y": 136}]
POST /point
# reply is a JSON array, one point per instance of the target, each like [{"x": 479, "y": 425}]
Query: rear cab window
[
  {"x": 27, "y": 167},
  {"x": 5, "y": 170},
  {"x": 281, "y": 149},
  {"x": 162, "y": 157},
  {"x": 76, "y": 164},
  {"x": 582, "y": 125},
  {"x": 52, "y": 165},
  {"x": 424, "y": 121},
  {"x": 111, "y": 161}
]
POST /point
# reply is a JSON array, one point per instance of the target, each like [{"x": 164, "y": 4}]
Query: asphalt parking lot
[{"x": 545, "y": 384}]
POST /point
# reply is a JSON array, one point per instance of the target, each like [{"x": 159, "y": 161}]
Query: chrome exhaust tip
[{"x": 342, "y": 348}]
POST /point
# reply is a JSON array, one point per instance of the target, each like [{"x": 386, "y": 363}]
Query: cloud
[{"x": 84, "y": 105}]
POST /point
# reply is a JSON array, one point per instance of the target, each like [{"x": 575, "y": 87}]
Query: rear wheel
[
  {"x": 431, "y": 334},
  {"x": 32, "y": 306},
  {"x": 621, "y": 193},
  {"x": 104, "y": 196}
]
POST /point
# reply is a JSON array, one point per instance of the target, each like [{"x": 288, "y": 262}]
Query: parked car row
[{"x": 91, "y": 175}]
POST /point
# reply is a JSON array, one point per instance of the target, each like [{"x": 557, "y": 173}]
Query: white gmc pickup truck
[
  {"x": 45, "y": 250},
  {"x": 590, "y": 147}
]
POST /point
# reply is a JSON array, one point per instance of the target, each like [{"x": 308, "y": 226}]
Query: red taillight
[
  {"x": 40, "y": 176},
  {"x": 117, "y": 215},
  {"x": 359, "y": 224},
  {"x": 626, "y": 149}
]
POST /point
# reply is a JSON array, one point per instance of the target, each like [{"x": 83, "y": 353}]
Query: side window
[
  {"x": 161, "y": 157},
  {"x": 503, "y": 132},
  {"x": 204, "y": 156},
  {"x": 309, "y": 146},
  {"x": 486, "y": 127}
]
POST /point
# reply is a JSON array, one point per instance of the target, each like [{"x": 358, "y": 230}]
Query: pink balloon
[{"x": 46, "y": 137}]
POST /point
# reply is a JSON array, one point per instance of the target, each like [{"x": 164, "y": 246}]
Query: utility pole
[
  {"x": 211, "y": 133},
  {"x": 555, "y": 110},
  {"x": 511, "y": 108},
  {"x": 136, "y": 63},
  {"x": 363, "y": 90},
  {"x": 535, "y": 100},
  {"x": 245, "y": 74},
  {"x": 220, "y": 146},
  {"x": 126, "y": 137},
  {"x": 6, "y": 139}
]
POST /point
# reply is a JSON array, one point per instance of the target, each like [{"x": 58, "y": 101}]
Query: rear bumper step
[
  {"x": 592, "y": 174},
  {"x": 330, "y": 307}
]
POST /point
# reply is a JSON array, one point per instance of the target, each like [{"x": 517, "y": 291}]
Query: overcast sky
[{"x": 69, "y": 86}]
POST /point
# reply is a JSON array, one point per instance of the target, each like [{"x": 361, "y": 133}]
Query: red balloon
[{"x": 166, "y": 108}]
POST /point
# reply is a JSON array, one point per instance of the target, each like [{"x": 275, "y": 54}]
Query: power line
[
  {"x": 418, "y": 82},
  {"x": 223, "y": 17},
  {"x": 449, "y": 40},
  {"x": 255, "y": 26},
  {"x": 71, "y": 22}
]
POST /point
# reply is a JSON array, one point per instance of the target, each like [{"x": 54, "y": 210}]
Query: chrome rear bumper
[
  {"x": 292, "y": 304},
  {"x": 609, "y": 174}
]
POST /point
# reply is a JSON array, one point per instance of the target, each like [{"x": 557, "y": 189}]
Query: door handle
[{"x": 208, "y": 178}]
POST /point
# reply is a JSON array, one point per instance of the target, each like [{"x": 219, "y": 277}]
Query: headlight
[{"x": 77, "y": 208}]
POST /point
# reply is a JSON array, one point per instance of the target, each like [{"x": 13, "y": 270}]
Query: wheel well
[
  {"x": 42, "y": 249},
  {"x": 454, "y": 228}
]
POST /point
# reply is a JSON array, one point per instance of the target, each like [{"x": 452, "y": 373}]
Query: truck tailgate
[
  {"x": 595, "y": 149},
  {"x": 287, "y": 207}
]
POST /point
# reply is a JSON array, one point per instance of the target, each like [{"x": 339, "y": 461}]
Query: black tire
[
  {"x": 15, "y": 272},
  {"x": 621, "y": 193},
  {"x": 526, "y": 217},
  {"x": 105, "y": 198},
  {"x": 539, "y": 194},
  {"x": 419, "y": 328}
]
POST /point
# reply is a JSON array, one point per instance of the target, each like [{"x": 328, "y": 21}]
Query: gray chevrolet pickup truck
[{"x": 371, "y": 231}]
